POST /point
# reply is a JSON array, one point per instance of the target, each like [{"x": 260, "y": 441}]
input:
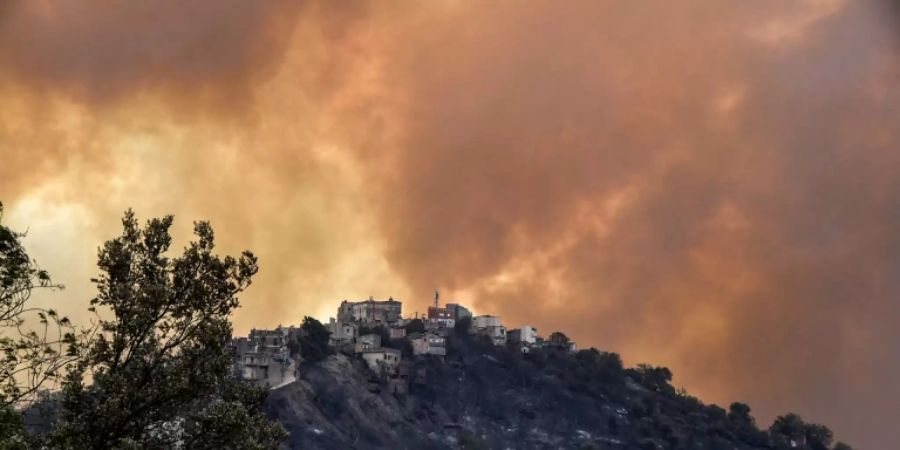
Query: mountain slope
[{"x": 481, "y": 396}]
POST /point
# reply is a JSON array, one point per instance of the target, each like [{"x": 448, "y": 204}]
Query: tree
[
  {"x": 36, "y": 343},
  {"x": 787, "y": 429},
  {"x": 160, "y": 366},
  {"x": 12, "y": 430},
  {"x": 744, "y": 425},
  {"x": 594, "y": 365},
  {"x": 739, "y": 413},
  {"x": 655, "y": 378},
  {"x": 415, "y": 326},
  {"x": 559, "y": 338},
  {"x": 462, "y": 326},
  {"x": 818, "y": 437},
  {"x": 313, "y": 339}
]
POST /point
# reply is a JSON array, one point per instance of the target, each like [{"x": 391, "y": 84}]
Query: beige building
[
  {"x": 370, "y": 311},
  {"x": 428, "y": 344},
  {"x": 263, "y": 357},
  {"x": 367, "y": 342},
  {"x": 342, "y": 333},
  {"x": 398, "y": 332},
  {"x": 382, "y": 361}
]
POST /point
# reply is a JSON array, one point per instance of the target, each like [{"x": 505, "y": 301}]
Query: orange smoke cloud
[{"x": 706, "y": 186}]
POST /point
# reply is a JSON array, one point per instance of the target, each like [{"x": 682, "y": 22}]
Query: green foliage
[
  {"x": 157, "y": 373},
  {"x": 818, "y": 437},
  {"x": 313, "y": 340},
  {"x": 592, "y": 364},
  {"x": 160, "y": 367},
  {"x": 12, "y": 431},
  {"x": 739, "y": 413},
  {"x": 791, "y": 428},
  {"x": 35, "y": 344},
  {"x": 656, "y": 379},
  {"x": 546, "y": 390}
]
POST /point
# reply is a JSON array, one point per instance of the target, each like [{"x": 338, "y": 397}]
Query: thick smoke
[{"x": 709, "y": 186}]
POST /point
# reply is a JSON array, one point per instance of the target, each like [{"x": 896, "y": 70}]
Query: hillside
[{"x": 482, "y": 396}]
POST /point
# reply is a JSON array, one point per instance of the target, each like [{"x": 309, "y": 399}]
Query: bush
[
  {"x": 655, "y": 379},
  {"x": 462, "y": 326},
  {"x": 593, "y": 364},
  {"x": 415, "y": 326},
  {"x": 313, "y": 340}
]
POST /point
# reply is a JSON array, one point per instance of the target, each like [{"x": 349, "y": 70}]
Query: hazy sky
[{"x": 707, "y": 185}]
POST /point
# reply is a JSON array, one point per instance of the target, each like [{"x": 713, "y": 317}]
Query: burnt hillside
[{"x": 482, "y": 396}]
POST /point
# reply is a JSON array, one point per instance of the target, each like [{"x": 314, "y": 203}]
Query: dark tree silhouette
[
  {"x": 818, "y": 437},
  {"x": 415, "y": 326},
  {"x": 462, "y": 326},
  {"x": 788, "y": 430},
  {"x": 559, "y": 338},
  {"x": 36, "y": 344},
  {"x": 740, "y": 413},
  {"x": 313, "y": 340},
  {"x": 160, "y": 366},
  {"x": 655, "y": 378}
]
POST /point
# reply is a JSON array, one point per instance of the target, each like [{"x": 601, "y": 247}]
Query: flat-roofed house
[
  {"x": 342, "y": 333},
  {"x": 440, "y": 318},
  {"x": 489, "y": 326},
  {"x": 368, "y": 342},
  {"x": 382, "y": 361},
  {"x": 458, "y": 311},
  {"x": 370, "y": 312},
  {"x": 263, "y": 357},
  {"x": 428, "y": 344}
]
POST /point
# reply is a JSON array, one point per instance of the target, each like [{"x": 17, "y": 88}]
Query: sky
[{"x": 710, "y": 185}]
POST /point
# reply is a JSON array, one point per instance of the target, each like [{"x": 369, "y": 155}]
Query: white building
[
  {"x": 529, "y": 334},
  {"x": 490, "y": 326},
  {"x": 486, "y": 321}
]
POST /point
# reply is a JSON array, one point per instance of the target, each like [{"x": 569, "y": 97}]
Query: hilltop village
[
  {"x": 371, "y": 378},
  {"x": 377, "y": 332}
]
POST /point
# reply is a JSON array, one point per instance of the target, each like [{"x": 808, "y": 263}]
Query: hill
[{"x": 485, "y": 396}]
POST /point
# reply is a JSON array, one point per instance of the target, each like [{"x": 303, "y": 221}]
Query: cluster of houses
[
  {"x": 264, "y": 357},
  {"x": 361, "y": 327}
]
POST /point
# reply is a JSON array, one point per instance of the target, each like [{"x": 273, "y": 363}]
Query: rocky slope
[{"x": 481, "y": 396}]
